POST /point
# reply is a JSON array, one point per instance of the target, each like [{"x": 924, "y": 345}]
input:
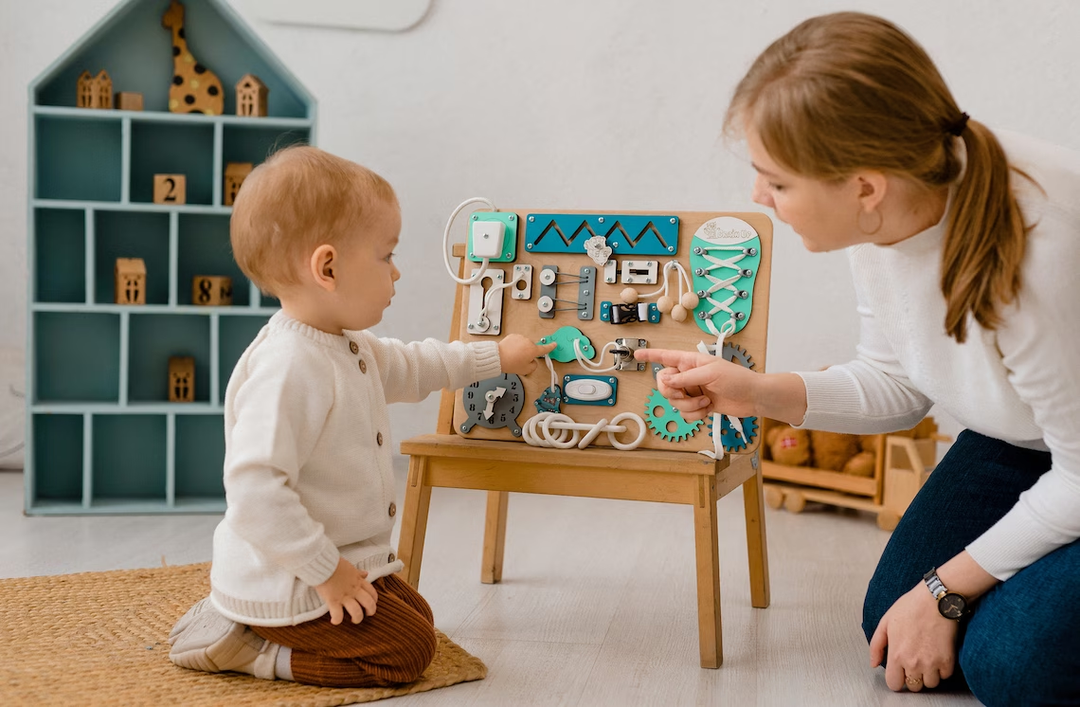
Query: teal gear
[
  {"x": 731, "y": 441},
  {"x": 659, "y": 423}
]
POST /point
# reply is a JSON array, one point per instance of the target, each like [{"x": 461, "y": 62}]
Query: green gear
[
  {"x": 659, "y": 423},
  {"x": 735, "y": 442}
]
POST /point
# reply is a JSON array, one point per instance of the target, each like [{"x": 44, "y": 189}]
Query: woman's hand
[
  {"x": 921, "y": 642},
  {"x": 698, "y": 384}
]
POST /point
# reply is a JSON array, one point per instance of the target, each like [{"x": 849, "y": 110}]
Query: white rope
[
  {"x": 719, "y": 284},
  {"x": 553, "y": 429},
  {"x": 446, "y": 241},
  {"x": 551, "y": 367},
  {"x": 589, "y": 365},
  {"x": 717, "y": 452}
]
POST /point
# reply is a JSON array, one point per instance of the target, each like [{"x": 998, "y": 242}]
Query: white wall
[{"x": 606, "y": 104}]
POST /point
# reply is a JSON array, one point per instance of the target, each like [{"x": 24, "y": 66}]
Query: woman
[{"x": 964, "y": 250}]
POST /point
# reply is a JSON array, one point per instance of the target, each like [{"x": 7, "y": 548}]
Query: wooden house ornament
[
  {"x": 94, "y": 91},
  {"x": 235, "y": 174},
  {"x": 251, "y": 95},
  {"x": 130, "y": 276},
  {"x": 181, "y": 379},
  {"x": 211, "y": 290}
]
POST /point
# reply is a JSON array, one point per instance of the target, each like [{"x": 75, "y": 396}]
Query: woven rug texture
[{"x": 101, "y": 638}]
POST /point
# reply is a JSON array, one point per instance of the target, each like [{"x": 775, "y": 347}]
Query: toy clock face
[{"x": 494, "y": 403}]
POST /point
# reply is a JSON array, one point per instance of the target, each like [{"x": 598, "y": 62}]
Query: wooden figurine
[
  {"x": 211, "y": 290},
  {"x": 194, "y": 89},
  {"x": 170, "y": 189},
  {"x": 129, "y": 100},
  {"x": 181, "y": 379},
  {"x": 94, "y": 91},
  {"x": 235, "y": 173},
  {"x": 130, "y": 277},
  {"x": 251, "y": 95}
]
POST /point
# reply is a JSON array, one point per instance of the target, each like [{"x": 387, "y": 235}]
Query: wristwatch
[{"x": 949, "y": 604}]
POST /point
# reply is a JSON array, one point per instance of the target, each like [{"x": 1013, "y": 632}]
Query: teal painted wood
[{"x": 102, "y": 436}]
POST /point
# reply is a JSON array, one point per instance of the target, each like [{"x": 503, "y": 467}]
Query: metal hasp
[
  {"x": 494, "y": 403},
  {"x": 624, "y": 354},
  {"x": 631, "y": 235}
]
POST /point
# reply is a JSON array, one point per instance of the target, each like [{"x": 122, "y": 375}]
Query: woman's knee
[{"x": 1017, "y": 671}]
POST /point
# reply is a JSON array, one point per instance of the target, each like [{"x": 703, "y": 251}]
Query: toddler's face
[{"x": 366, "y": 272}]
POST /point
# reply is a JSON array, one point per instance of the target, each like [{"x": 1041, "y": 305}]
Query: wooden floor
[{"x": 597, "y": 604}]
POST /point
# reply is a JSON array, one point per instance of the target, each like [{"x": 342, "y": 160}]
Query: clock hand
[{"x": 492, "y": 396}]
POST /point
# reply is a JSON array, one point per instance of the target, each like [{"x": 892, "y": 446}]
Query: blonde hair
[
  {"x": 298, "y": 199},
  {"x": 851, "y": 91}
]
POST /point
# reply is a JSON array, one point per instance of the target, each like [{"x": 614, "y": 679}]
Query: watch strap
[{"x": 934, "y": 584}]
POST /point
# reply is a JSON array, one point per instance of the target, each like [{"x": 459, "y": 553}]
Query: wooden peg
[
  {"x": 235, "y": 174},
  {"x": 181, "y": 379},
  {"x": 130, "y": 281},
  {"x": 129, "y": 100},
  {"x": 170, "y": 189},
  {"x": 211, "y": 290},
  {"x": 251, "y": 95}
]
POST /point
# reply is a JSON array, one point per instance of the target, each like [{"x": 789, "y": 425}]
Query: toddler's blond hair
[{"x": 298, "y": 199}]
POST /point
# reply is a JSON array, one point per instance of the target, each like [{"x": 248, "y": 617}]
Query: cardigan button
[
  {"x": 391, "y": 557},
  {"x": 353, "y": 347},
  {"x": 378, "y": 440},
  {"x": 363, "y": 366},
  {"x": 393, "y": 509}
]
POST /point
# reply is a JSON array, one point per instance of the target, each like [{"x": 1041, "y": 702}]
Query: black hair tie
[{"x": 957, "y": 128}]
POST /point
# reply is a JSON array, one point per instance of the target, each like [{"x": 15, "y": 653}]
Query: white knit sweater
[
  {"x": 308, "y": 475},
  {"x": 1020, "y": 383}
]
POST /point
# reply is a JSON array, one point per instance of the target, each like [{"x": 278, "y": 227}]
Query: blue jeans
[{"x": 1021, "y": 645}]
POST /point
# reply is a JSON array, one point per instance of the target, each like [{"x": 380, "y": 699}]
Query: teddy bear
[
  {"x": 831, "y": 450},
  {"x": 788, "y": 445}
]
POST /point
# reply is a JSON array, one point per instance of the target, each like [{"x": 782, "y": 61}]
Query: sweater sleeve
[
  {"x": 1040, "y": 346},
  {"x": 278, "y": 413},
  {"x": 869, "y": 395},
  {"x": 411, "y": 371}
]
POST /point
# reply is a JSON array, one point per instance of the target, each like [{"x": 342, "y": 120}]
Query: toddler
[{"x": 309, "y": 483}]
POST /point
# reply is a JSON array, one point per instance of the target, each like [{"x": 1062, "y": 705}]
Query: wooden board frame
[{"x": 522, "y": 317}]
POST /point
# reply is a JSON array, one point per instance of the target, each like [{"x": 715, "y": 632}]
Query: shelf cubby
[
  {"x": 76, "y": 357},
  {"x": 58, "y": 443},
  {"x": 234, "y": 335},
  {"x": 254, "y": 143},
  {"x": 77, "y": 160},
  {"x": 60, "y": 244},
  {"x": 131, "y": 234},
  {"x": 200, "y": 450},
  {"x": 172, "y": 148},
  {"x": 129, "y": 460},
  {"x": 204, "y": 249},
  {"x": 153, "y": 339}
]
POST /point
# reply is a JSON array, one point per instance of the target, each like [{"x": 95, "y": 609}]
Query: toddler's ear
[{"x": 322, "y": 264}]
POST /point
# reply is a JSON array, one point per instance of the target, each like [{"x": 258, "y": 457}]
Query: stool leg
[
  {"x": 414, "y": 521},
  {"x": 708, "y": 574},
  {"x": 494, "y": 537},
  {"x": 756, "y": 549}
]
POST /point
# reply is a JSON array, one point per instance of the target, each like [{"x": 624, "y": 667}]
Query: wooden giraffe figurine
[{"x": 194, "y": 89}]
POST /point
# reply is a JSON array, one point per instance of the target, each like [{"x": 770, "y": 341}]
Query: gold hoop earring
[{"x": 866, "y": 231}]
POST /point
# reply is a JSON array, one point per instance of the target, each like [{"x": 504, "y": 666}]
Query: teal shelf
[{"x": 103, "y": 437}]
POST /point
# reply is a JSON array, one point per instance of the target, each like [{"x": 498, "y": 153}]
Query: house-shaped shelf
[{"x": 102, "y": 436}]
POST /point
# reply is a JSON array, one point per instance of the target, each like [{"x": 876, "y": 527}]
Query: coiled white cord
[
  {"x": 446, "y": 242},
  {"x": 553, "y": 429}
]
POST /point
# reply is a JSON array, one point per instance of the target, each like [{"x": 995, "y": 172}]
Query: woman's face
[{"x": 824, "y": 214}]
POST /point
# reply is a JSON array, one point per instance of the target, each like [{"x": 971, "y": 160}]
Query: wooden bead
[
  {"x": 629, "y": 295},
  {"x": 679, "y": 313},
  {"x": 664, "y": 304},
  {"x": 689, "y": 300}
]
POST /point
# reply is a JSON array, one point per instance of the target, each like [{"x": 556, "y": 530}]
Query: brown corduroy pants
[{"x": 392, "y": 646}]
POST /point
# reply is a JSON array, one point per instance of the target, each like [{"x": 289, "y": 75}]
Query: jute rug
[{"x": 101, "y": 638}]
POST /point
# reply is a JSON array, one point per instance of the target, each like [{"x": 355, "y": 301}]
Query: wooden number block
[
  {"x": 235, "y": 173},
  {"x": 128, "y": 100},
  {"x": 130, "y": 276},
  {"x": 170, "y": 189},
  {"x": 211, "y": 290},
  {"x": 181, "y": 379}
]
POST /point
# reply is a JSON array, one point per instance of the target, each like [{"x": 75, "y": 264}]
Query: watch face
[{"x": 952, "y": 606}]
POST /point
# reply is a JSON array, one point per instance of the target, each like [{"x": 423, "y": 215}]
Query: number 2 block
[
  {"x": 170, "y": 189},
  {"x": 211, "y": 290}
]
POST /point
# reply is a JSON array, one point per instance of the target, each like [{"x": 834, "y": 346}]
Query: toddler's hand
[
  {"x": 518, "y": 354},
  {"x": 348, "y": 589}
]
